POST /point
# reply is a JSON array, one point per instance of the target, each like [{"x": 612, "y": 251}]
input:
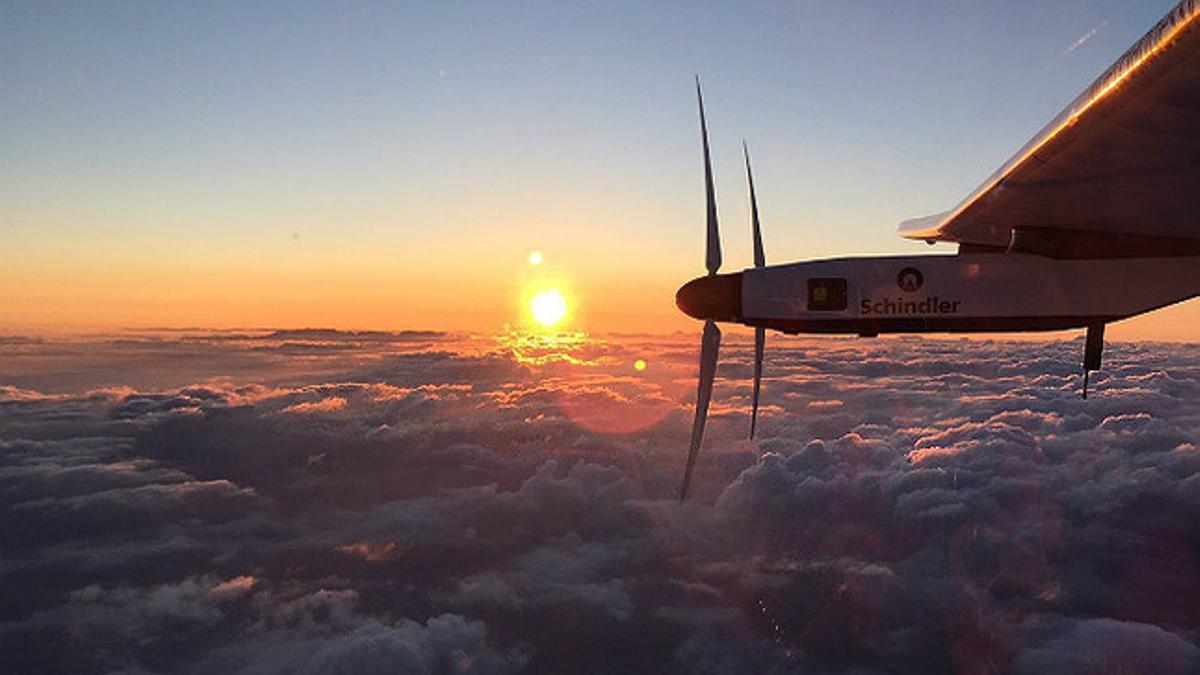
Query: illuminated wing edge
[{"x": 935, "y": 227}]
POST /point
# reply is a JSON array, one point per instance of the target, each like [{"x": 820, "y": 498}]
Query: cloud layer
[{"x": 321, "y": 502}]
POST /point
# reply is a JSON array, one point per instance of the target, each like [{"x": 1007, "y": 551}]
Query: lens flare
[
  {"x": 548, "y": 308},
  {"x": 535, "y": 258},
  {"x": 639, "y": 365}
]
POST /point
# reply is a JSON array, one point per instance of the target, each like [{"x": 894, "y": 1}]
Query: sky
[
  {"x": 392, "y": 165},
  {"x": 436, "y": 503}
]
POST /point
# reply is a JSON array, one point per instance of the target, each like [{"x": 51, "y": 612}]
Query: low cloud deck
[{"x": 431, "y": 503}]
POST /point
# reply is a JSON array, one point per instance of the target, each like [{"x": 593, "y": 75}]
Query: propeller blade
[
  {"x": 712, "y": 253},
  {"x": 760, "y": 260},
  {"x": 760, "y": 340},
  {"x": 710, "y": 344}
]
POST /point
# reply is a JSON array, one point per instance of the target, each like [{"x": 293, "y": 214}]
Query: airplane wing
[{"x": 1115, "y": 174}]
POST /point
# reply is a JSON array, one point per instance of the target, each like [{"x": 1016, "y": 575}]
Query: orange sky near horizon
[
  {"x": 355, "y": 291},
  {"x": 378, "y": 293}
]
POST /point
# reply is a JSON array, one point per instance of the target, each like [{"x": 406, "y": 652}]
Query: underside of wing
[{"x": 1116, "y": 173}]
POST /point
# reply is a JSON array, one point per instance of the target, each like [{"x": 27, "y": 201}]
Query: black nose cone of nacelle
[{"x": 717, "y": 297}]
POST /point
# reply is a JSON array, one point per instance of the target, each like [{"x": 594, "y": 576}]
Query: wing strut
[{"x": 1092, "y": 347}]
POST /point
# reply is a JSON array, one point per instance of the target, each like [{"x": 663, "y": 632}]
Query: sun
[{"x": 549, "y": 308}]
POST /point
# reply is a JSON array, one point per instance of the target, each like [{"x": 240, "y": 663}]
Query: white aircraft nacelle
[{"x": 968, "y": 292}]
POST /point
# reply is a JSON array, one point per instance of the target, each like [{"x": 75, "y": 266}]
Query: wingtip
[{"x": 924, "y": 227}]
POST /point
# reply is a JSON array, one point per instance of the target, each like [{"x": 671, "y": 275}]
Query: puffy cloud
[
  {"x": 317, "y": 501},
  {"x": 325, "y": 405},
  {"x": 1108, "y": 646},
  {"x": 446, "y": 643}
]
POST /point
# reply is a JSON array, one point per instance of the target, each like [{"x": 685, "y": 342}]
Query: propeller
[
  {"x": 710, "y": 344},
  {"x": 760, "y": 260},
  {"x": 717, "y": 297},
  {"x": 710, "y": 341},
  {"x": 712, "y": 251}
]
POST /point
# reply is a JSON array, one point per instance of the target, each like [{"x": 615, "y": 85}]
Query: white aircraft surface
[{"x": 1095, "y": 219}]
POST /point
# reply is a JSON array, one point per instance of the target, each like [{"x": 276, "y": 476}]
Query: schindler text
[{"x": 933, "y": 305}]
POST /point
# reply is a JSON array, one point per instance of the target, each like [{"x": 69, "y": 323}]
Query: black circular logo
[{"x": 910, "y": 279}]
